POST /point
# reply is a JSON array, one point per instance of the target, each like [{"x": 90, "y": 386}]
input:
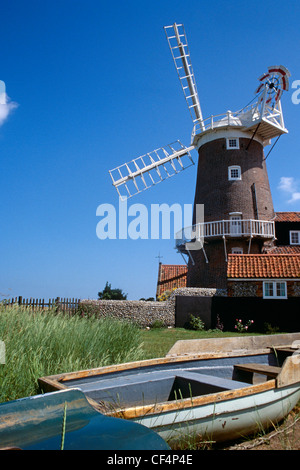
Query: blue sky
[{"x": 96, "y": 86}]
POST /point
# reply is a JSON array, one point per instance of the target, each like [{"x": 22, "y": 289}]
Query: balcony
[
  {"x": 265, "y": 120},
  {"x": 225, "y": 229}
]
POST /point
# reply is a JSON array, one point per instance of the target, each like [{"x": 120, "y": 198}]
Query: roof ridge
[
  {"x": 181, "y": 265},
  {"x": 264, "y": 254}
]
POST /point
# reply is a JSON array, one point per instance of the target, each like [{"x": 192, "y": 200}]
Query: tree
[{"x": 111, "y": 294}]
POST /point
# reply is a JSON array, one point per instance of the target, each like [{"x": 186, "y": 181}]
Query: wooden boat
[
  {"x": 36, "y": 423},
  {"x": 220, "y": 389}
]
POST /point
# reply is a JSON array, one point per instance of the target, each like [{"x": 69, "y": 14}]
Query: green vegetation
[
  {"x": 196, "y": 323},
  {"x": 40, "y": 343},
  {"x": 111, "y": 294},
  {"x": 44, "y": 342},
  {"x": 158, "y": 341}
]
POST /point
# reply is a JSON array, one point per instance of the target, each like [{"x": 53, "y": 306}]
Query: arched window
[{"x": 234, "y": 173}]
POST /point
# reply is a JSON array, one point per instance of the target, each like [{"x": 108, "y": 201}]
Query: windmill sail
[
  {"x": 150, "y": 169},
  {"x": 180, "y": 52}
]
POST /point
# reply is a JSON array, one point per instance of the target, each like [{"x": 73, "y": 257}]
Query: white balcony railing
[
  {"x": 226, "y": 228},
  {"x": 246, "y": 118}
]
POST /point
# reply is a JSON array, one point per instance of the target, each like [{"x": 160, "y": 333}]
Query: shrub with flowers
[{"x": 242, "y": 328}]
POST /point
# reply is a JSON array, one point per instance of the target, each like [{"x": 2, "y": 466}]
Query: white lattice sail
[{"x": 150, "y": 169}]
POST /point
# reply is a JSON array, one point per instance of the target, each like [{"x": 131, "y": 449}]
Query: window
[
  {"x": 237, "y": 250},
  {"x": 295, "y": 237},
  {"x": 234, "y": 173},
  {"x": 274, "y": 290},
  {"x": 232, "y": 143}
]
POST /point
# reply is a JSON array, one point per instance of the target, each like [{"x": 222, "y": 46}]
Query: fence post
[
  {"x": 20, "y": 300},
  {"x": 57, "y": 304}
]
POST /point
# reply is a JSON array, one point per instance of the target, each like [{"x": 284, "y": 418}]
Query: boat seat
[
  {"x": 218, "y": 382},
  {"x": 147, "y": 388},
  {"x": 245, "y": 372},
  {"x": 286, "y": 349}
]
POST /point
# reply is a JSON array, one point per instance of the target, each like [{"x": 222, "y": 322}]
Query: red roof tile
[
  {"x": 287, "y": 217},
  {"x": 263, "y": 266},
  {"x": 171, "y": 276},
  {"x": 285, "y": 249}
]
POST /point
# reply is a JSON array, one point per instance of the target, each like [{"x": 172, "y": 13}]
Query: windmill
[{"x": 232, "y": 180}]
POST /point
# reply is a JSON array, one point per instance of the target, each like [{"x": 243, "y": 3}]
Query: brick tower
[{"x": 233, "y": 185}]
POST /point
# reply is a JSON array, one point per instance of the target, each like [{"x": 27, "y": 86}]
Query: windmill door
[{"x": 235, "y": 225}]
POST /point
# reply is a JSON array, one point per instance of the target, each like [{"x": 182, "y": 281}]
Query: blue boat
[{"x": 65, "y": 420}]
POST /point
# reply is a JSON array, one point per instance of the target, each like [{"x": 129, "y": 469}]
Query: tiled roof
[
  {"x": 285, "y": 249},
  {"x": 287, "y": 217},
  {"x": 171, "y": 276},
  {"x": 263, "y": 266}
]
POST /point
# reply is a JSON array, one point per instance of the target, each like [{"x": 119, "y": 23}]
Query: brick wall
[{"x": 221, "y": 196}]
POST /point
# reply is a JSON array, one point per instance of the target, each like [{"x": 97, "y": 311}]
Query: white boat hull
[{"x": 226, "y": 420}]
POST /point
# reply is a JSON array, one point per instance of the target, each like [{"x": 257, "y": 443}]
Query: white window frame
[
  {"x": 274, "y": 285},
  {"x": 234, "y": 168},
  {"x": 292, "y": 232},
  {"x": 232, "y": 143},
  {"x": 237, "y": 250}
]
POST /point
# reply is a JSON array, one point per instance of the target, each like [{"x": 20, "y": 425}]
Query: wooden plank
[
  {"x": 287, "y": 349},
  {"x": 290, "y": 372},
  {"x": 250, "y": 343},
  {"x": 270, "y": 371}
]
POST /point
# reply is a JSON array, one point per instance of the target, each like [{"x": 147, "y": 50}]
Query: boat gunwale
[
  {"x": 187, "y": 403},
  {"x": 58, "y": 381}
]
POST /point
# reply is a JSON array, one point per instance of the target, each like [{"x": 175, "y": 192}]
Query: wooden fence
[{"x": 63, "y": 304}]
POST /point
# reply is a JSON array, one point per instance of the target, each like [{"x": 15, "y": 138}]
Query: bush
[
  {"x": 157, "y": 324},
  {"x": 271, "y": 330},
  {"x": 195, "y": 323},
  {"x": 165, "y": 295},
  {"x": 242, "y": 328},
  {"x": 219, "y": 325}
]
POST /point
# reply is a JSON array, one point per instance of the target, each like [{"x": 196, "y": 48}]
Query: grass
[
  {"x": 41, "y": 343},
  {"x": 158, "y": 341},
  {"x": 46, "y": 343}
]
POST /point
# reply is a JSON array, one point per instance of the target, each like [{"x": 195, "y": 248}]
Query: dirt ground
[{"x": 284, "y": 436}]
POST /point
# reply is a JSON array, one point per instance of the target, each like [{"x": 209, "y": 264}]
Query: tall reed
[{"x": 39, "y": 343}]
